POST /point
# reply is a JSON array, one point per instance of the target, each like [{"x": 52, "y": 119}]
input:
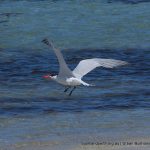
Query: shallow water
[{"x": 33, "y": 109}]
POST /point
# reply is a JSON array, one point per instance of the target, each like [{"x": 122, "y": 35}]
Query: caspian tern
[{"x": 69, "y": 78}]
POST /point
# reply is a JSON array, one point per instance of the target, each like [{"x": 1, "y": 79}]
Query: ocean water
[{"x": 36, "y": 110}]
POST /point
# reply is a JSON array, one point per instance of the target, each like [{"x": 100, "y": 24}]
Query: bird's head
[{"x": 50, "y": 77}]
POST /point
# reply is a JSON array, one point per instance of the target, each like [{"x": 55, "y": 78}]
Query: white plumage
[
  {"x": 87, "y": 65},
  {"x": 73, "y": 78}
]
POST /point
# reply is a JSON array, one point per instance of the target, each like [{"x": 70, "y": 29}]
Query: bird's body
[
  {"x": 69, "y": 78},
  {"x": 69, "y": 81}
]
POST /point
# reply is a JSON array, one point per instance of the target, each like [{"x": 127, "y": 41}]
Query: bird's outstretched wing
[
  {"x": 88, "y": 65},
  {"x": 64, "y": 71}
]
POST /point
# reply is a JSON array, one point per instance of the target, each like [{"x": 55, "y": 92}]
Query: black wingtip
[{"x": 45, "y": 41}]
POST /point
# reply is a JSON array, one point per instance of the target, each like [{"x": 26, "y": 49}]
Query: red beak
[{"x": 46, "y": 76}]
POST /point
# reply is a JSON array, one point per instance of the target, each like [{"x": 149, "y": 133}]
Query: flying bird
[{"x": 72, "y": 79}]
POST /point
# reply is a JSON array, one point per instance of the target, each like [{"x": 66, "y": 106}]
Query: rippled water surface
[{"x": 33, "y": 109}]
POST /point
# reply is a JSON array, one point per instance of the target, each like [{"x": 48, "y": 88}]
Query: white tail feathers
[{"x": 86, "y": 84}]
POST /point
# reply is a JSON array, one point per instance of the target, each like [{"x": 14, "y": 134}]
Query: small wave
[{"x": 129, "y": 1}]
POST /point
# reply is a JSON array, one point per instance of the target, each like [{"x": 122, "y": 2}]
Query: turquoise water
[
  {"x": 75, "y": 24},
  {"x": 35, "y": 110}
]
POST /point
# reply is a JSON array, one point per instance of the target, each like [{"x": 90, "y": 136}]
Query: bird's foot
[
  {"x": 66, "y": 89},
  {"x": 72, "y": 90}
]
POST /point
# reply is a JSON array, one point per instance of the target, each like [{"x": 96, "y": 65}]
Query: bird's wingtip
[{"x": 47, "y": 42}]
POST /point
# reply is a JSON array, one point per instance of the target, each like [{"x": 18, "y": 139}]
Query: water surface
[{"x": 35, "y": 110}]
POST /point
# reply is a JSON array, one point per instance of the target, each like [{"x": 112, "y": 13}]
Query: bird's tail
[
  {"x": 86, "y": 84},
  {"x": 92, "y": 85}
]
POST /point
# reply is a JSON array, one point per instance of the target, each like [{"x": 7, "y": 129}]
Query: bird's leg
[
  {"x": 72, "y": 90},
  {"x": 66, "y": 89}
]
